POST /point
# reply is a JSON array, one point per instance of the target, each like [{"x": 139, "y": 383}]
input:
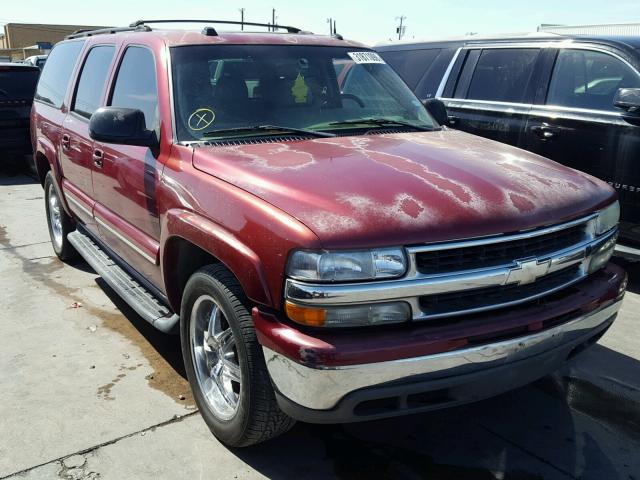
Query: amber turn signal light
[{"x": 313, "y": 317}]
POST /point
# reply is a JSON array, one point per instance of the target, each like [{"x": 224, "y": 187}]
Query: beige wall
[{"x": 20, "y": 35}]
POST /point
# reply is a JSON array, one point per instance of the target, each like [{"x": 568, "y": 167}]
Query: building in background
[
  {"x": 605, "y": 29},
  {"x": 21, "y": 40}
]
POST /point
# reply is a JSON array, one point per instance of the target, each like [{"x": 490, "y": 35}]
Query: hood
[{"x": 406, "y": 188}]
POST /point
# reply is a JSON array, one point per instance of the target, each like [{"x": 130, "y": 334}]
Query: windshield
[
  {"x": 18, "y": 84},
  {"x": 324, "y": 89}
]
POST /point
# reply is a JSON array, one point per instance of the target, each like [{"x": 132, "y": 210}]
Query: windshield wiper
[
  {"x": 382, "y": 122},
  {"x": 263, "y": 128},
  {"x": 4, "y": 92}
]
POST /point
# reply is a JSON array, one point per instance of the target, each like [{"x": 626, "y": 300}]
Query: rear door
[
  {"x": 76, "y": 150},
  {"x": 574, "y": 122},
  {"x": 126, "y": 176},
  {"x": 491, "y": 91}
]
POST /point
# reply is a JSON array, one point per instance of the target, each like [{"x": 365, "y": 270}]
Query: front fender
[{"x": 241, "y": 260}]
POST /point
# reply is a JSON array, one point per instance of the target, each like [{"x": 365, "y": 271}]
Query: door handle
[
  {"x": 66, "y": 142},
  {"x": 97, "y": 158},
  {"x": 545, "y": 131},
  {"x": 453, "y": 121}
]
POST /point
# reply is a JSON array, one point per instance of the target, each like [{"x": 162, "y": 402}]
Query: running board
[
  {"x": 628, "y": 253},
  {"x": 138, "y": 297}
]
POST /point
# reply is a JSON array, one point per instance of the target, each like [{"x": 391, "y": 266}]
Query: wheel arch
[
  {"x": 45, "y": 159},
  {"x": 192, "y": 241}
]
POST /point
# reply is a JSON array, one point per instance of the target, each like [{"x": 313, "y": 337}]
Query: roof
[
  {"x": 465, "y": 39},
  {"x": 214, "y": 35},
  {"x": 174, "y": 37},
  {"x": 626, "y": 41}
]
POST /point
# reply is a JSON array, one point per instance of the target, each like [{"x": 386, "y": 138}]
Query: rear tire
[
  {"x": 60, "y": 224},
  {"x": 224, "y": 361}
]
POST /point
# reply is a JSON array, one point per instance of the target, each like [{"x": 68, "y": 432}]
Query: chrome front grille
[
  {"x": 485, "y": 255},
  {"x": 454, "y": 278},
  {"x": 489, "y": 298}
]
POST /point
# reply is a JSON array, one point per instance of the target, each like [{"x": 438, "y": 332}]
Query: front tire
[
  {"x": 224, "y": 361},
  {"x": 60, "y": 224}
]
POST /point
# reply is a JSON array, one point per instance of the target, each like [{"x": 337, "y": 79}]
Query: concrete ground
[{"x": 88, "y": 390}]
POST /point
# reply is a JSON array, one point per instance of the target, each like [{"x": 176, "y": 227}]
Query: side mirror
[
  {"x": 124, "y": 126},
  {"x": 628, "y": 99},
  {"x": 438, "y": 110}
]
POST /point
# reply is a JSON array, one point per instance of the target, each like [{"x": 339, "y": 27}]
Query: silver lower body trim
[
  {"x": 323, "y": 387},
  {"x": 630, "y": 253}
]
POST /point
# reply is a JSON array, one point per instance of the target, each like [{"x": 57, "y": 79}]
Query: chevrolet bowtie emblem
[{"x": 528, "y": 271}]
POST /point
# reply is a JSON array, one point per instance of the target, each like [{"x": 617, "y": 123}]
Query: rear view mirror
[
  {"x": 628, "y": 99},
  {"x": 124, "y": 126},
  {"x": 438, "y": 110}
]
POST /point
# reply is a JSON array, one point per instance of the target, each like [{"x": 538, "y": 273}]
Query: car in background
[
  {"x": 36, "y": 60},
  {"x": 17, "y": 88},
  {"x": 574, "y": 99}
]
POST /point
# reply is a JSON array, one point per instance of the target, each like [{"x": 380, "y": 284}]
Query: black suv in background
[
  {"x": 575, "y": 100},
  {"x": 17, "y": 87}
]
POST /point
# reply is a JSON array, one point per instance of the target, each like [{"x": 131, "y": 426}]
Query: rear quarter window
[
  {"x": 411, "y": 64},
  {"x": 56, "y": 73},
  {"x": 422, "y": 70}
]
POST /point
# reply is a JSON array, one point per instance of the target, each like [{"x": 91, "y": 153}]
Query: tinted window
[
  {"x": 136, "y": 85},
  {"x": 502, "y": 74},
  {"x": 588, "y": 79},
  {"x": 17, "y": 84},
  {"x": 411, "y": 64},
  {"x": 52, "y": 86},
  {"x": 92, "y": 80}
]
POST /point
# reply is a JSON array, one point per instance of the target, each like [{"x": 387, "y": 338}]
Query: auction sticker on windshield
[{"x": 366, "y": 57}]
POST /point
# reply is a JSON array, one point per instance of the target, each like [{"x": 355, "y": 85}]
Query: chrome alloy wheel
[
  {"x": 55, "y": 216},
  {"x": 215, "y": 357}
]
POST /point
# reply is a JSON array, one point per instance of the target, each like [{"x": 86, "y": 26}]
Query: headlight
[
  {"x": 608, "y": 218},
  {"x": 601, "y": 253},
  {"x": 340, "y": 266}
]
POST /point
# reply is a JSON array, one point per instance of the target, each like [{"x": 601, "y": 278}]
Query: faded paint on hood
[{"x": 407, "y": 188}]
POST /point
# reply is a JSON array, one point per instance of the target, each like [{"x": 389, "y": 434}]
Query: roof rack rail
[
  {"x": 103, "y": 31},
  {"x": 212, "y": 32}
]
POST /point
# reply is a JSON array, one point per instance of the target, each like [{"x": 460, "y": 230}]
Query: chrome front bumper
[{"x": 322, "y": 388}]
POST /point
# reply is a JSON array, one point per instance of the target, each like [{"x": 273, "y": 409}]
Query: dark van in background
[
  {"x": 17, "y": 87},
  {"x": 573, "y": 99}
]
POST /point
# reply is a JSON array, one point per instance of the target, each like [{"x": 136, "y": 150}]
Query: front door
[
  {"x": 125, "y": 177},
  {"x": 577, "y": 125}
]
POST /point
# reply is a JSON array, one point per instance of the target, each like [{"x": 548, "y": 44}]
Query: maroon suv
[{"x": 326, "y": 250}]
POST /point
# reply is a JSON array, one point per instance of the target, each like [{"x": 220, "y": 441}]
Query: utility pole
[
  {"x": 241, "y": 18},
  {"x": 273, "y": 19},
  {"x": 401, "y": 28},
  {"x": 331, "y": 28}
]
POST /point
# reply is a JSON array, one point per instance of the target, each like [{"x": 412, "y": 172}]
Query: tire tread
[{"x": 266, "y": 420}]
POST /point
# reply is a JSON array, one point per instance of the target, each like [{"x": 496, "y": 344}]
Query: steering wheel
[{"x": 355, "y": 98}]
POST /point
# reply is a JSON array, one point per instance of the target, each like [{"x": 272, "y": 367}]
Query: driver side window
[
  {"x": 136, "y": 85},
  {"x": 589, "y": 79}
]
